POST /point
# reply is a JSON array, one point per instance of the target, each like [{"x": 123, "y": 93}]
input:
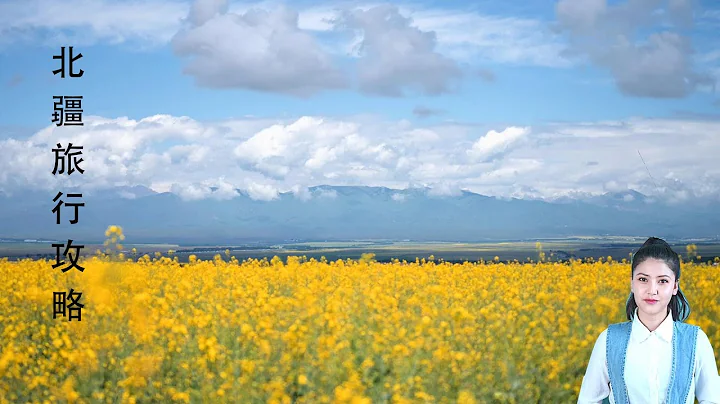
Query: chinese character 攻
[{"x": 66, "y": 253}]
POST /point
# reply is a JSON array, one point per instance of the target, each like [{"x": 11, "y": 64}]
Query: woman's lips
[{"x": 651, "y": 301}]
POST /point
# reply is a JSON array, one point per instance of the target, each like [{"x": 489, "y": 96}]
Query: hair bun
[{"x": 655, "y": 241}]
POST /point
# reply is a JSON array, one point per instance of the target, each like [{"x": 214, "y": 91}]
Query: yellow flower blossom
[{"x": 305, "y": 330}]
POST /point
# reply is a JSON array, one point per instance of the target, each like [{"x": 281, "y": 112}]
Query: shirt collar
[{"x": 665, "y": 330}]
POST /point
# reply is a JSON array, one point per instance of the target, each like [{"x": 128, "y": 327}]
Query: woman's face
[{"x": 653, "y": 284}]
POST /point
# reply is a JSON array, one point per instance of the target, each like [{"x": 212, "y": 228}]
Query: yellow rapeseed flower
[{"x": 303, "y": 330}]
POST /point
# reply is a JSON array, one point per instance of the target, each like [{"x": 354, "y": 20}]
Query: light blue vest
[{"x": 683, "y": 361}]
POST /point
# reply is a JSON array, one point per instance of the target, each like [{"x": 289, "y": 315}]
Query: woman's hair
[{"x": 658, "y": 249}]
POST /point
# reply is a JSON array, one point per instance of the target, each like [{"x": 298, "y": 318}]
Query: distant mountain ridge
[{"x": 347, "y": 213}]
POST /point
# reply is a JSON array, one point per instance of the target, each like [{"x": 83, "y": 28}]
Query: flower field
[{"x": 155, "y": 330}]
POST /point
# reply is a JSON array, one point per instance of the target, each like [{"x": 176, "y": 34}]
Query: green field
[{"x": 558, "y": 249}]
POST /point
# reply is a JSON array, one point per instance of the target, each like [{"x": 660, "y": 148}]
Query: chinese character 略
[{"x": 74, "y": 308}]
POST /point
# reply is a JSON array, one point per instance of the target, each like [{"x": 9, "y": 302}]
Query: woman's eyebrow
[{"x": 659, "y": 276}]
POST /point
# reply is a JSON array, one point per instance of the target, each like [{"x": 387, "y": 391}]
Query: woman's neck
[{"x": 652, "y": 321}]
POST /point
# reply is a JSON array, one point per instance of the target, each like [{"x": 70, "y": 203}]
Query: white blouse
[{"x": 647, "y": 368}]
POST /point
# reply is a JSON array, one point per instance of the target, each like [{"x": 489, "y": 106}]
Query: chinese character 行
[
  {"x": 74, "y": 308},
  {"x": 56, "y": 209},
  {"x": 66, "y": 253},
  {"x": 61, "y": 70},
  {"x": 73, "y": 164},
  {"x": 71, "y": 115}
]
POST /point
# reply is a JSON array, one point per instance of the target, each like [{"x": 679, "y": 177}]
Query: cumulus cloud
[
  {"x": 309, "y": 141},
  {"x": 264, "y": 192},
  {"x": 659, "y": 66},
  {"x": 269, "y": 48},
  {"x": 258, "y": 50},
  {"x": 302, "y": 193},
  {"x": 263, "y": 158},
  {"x": 495, "y": 143},
  {"x": 396, "y": 57},
  {"x": 144, "y": 23},
  {"x": 202, "y": 11},
  {"x": 444, "y": 188},
  {"x": 461, "y": 34},
  {"x": 468, "y": 36}
]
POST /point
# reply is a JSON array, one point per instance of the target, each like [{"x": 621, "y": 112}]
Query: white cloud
[
  {"x": 419, "y": 138},
  {"x": 190, "y": 192},
  {"x": 512, "y": 168},
  {"x": 658, "y": 66},
  {"x": 397, "y": 57},
  {"x": 495, "y": 143},
  {"x": 202, "y": 11},
  {"x": 290, "y": 144},
  {"x": 465, "y": 35},
  {"x": 301, "y": 193},
  {"x": 304, "y": 34},
  {"x": 594, "y": 130},
  {"x": 261, "y": 50},
  {"x": 398, "y": 197},
  {"x": 322, "y": 156},
  {"x": 615, "y": 186},
  {"x": 224, "y": 190},
  {"x": 86, "y": 22},
  {"x": 317, "y": 19},
  {"x": 263, "y": 192},
  {"x": 264, "y": 158},
  {"x": 469, "y": 36},
  {"x": 445, "y": 188}
]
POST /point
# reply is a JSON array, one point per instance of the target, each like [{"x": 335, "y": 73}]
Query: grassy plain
[{"x": 385, "y": 251}]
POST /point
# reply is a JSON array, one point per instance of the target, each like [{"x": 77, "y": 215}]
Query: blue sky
[
  {"x": 120, "y": 82},
  {"x": 457, "y": 70}
]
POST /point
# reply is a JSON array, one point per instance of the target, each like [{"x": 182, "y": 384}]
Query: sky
[{"x": 540, "y": 100}]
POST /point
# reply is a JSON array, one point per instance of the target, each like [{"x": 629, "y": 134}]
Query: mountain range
[{"x": 349, "y": 213}]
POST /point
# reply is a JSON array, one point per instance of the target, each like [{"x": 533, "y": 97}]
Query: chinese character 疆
[{"x": 71, "y": 115}]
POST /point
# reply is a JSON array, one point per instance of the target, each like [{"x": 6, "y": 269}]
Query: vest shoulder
[
  {"x": 618, "y": 330},
  {"x": 619, "y": 326},
  {"x": 687, "y": 327}
]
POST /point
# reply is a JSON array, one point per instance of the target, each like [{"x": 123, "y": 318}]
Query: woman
[{"x": 654, "y": 357}]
